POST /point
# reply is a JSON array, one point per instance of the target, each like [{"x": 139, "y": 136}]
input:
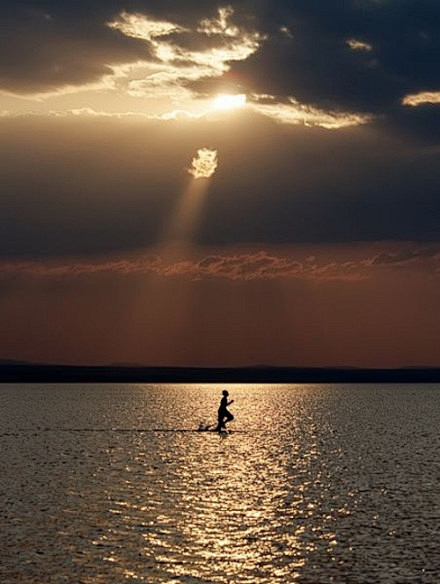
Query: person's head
[{"x": 225, "y": 393}]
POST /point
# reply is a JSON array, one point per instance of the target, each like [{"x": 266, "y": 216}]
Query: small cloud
[
  {"x": 423, "y": 97},
  {"x": 204, "y": 164},
  {"x": 220, "y": 25},
  {"x": 285, "y": 31},
  {"x": 404, "y": 256},
  {"x": 177, "y": 115},
  {"x": 141, "y": 27},
  {"x": 356, "y": 45},
  {"x": 293, "y": 112}
]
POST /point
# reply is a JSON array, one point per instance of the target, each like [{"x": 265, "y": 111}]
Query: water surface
[{"x": 318, "y": 483}]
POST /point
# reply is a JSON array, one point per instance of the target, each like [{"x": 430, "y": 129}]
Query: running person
[{"x": 223, "y": 412}]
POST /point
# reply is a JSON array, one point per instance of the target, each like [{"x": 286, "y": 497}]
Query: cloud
[
  {"x": 265, "y": 266},
  {"x": 293, "y": 112},
  {"x": 58, "y": 49},
  {"x": 204, "y": 164},
  {"x": 421, "y": 98},
  {"x": 405, "y": 256},
  {"x": 50, "y": 45},
  {"x": 75, "y": 268},
  {"x": 357, "y": 45},
  {"x": 235, "y": 267},
  {"x": 358, "y": 57},
  {"x": 184, "y": 55},
  {"x": 141, "y": 27},
  {"x": 331, "y": 64}
]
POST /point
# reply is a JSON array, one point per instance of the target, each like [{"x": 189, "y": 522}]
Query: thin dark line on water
[
  {"x": 199, "y": 431},
  {"x": 121, "y": 431}
]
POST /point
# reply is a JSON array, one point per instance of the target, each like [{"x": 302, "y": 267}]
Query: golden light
[
  {"x": 225, "y": 101},
  {"x": 415, "y": 99},
  {"x": 356, "y": 45},
  {"x": 186, "y": 214},
  {"x": 204, "y": 164}
]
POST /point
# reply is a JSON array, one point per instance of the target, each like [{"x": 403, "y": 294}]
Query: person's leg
[
  {"x": 220, "y": 423},
  {"x": 228, "y": 417}
]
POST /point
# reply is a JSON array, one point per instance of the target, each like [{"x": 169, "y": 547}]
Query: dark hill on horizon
[{"x": 22, "y": 372}]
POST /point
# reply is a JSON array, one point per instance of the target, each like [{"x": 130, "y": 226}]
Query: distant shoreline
[{"x": 34, "y": 373}]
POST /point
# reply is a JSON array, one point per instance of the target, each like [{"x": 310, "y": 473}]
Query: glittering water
[{"x": 317, "y": 484}]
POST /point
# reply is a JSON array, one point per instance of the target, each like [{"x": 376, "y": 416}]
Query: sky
[{"x": 197, "y": 183}]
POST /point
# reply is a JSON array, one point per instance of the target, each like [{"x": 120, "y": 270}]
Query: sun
[{"x": 225, "y": 101}]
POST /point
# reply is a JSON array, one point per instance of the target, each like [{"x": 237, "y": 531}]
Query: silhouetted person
[{"x": 223, "y": 412}]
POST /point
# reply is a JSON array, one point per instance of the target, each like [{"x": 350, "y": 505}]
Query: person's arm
[{"x": 231, "y": 402}]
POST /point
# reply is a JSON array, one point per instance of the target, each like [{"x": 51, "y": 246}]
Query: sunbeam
[{"x": 186, "y": 214}]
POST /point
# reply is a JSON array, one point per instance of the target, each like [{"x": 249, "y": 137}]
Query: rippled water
[{"x": 316, "y": 484}]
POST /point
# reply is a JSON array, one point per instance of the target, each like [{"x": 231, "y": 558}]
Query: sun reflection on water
[
  {"x": 244, "y": 508},
  {"x": 301, "y": 492}
]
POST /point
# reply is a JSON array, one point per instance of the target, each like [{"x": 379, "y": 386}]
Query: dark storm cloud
[
  {"x": 95, "y": 185},
  {"x": 348, "y": 55},
  {"x": 359, "y": 56},
  {"x": 306, "y": 53},
  {"x": 316, "y": 64}
]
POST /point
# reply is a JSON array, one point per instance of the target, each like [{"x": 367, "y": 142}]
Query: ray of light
[
  {"x": 186, "y": 214},
  {"x": 175, "y": 246}
]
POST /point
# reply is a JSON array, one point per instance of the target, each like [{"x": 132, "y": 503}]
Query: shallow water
[{"x": 316, "y": 484}]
